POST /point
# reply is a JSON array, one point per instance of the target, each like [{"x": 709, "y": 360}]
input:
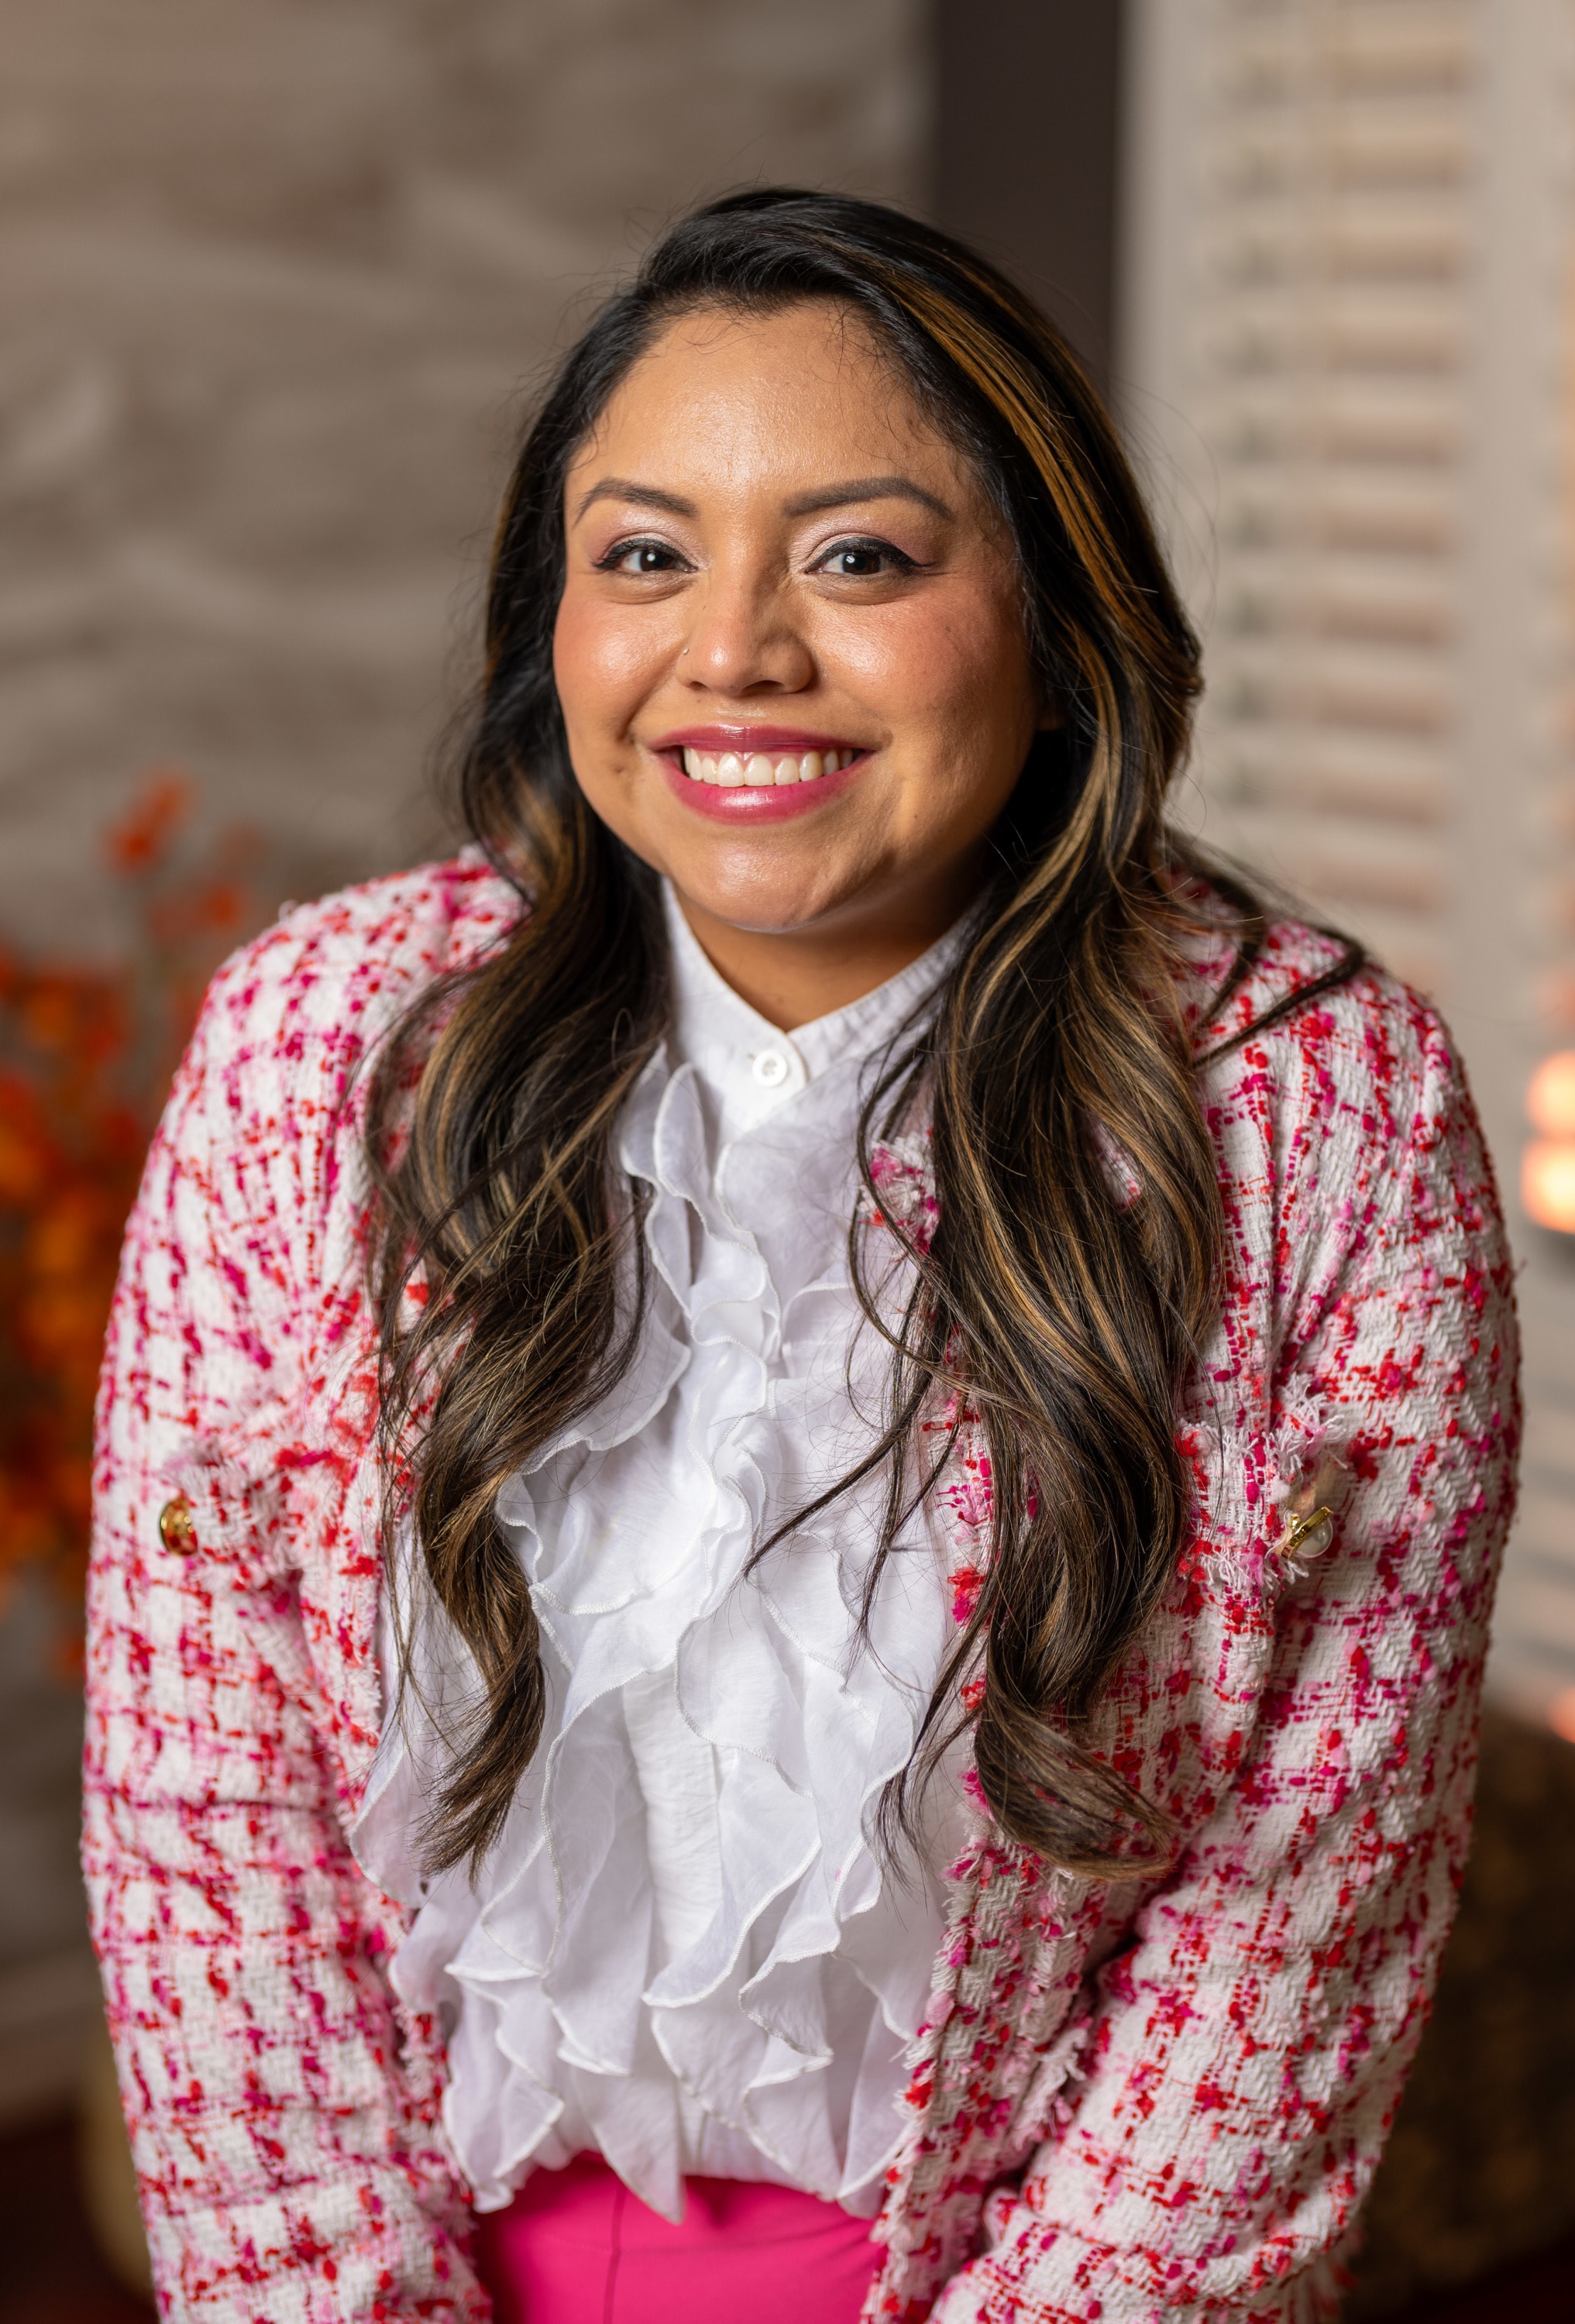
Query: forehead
[{"x": 802, "y": 393}]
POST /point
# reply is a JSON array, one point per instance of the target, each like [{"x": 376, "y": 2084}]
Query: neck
[{"x": 792, "y": 976}]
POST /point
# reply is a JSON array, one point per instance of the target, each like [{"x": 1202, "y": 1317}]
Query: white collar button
[{"x": 771, "y": 1068}]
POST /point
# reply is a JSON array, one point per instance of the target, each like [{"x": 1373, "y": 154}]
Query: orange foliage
[{"x": 86, "y": 1054}]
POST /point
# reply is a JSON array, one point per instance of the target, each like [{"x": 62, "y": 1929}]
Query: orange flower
[
  {"x": 85, "y": 1056},
  {"x": 141, "y": 840}
]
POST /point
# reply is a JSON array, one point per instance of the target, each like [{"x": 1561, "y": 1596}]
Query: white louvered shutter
[{"x": 1346, "y": 370}]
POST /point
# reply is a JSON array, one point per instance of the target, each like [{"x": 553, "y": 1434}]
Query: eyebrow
[
  {"x": 863, "y": 488},
  {"x": 829, "y": 496},
  {"x": 618, "y": 488}
]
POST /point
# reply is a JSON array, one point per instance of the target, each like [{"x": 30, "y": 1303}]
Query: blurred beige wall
[{"x": 269, "y": 275}]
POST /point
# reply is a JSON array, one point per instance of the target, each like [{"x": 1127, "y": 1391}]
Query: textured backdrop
[{"x": 271, "y": 276}]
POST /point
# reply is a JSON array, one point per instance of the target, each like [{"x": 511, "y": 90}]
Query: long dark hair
[{"x": 1061, "y": 1311}]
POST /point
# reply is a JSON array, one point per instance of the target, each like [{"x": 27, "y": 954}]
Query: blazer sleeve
[
  {"x": 1250, "y": 2044},
  {"x": 283, "y": 2121}
]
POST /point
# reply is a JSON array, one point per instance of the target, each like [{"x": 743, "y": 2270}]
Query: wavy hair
[{"x": 1056, "y": 1308}]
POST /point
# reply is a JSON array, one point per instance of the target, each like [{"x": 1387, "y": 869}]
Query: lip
[
  {"x": 752, "y": 803},
  {"x": 744, "y": 738}
]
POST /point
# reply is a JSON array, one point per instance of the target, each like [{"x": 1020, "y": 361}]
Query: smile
[
  {"x": 744, "y": 775},
  {"x": 733, "y": 770}
]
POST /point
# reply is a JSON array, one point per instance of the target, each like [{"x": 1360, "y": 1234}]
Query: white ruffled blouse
[{"x": 684, "y": 1951}]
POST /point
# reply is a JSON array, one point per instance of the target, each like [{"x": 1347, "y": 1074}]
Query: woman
[{"x": 801, "y": 1469}]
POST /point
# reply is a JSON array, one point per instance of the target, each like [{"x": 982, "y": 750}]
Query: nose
[{"x": 742, "y": 640}]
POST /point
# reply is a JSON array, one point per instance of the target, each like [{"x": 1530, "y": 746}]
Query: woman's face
[{"x": 790, "y": 650}]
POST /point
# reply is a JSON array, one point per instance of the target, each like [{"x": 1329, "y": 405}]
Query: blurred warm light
[
  {"x": 1562, "y": 1714},
  {"x": 1547, "y": 1172},
  {"x": 1547, "y": 1184},
  {"x": 1551, "y": 1099}
]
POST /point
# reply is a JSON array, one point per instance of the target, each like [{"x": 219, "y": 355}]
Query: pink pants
[{"x": 575, "y": 2246}]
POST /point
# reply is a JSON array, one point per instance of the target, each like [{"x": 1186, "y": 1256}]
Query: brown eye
[
  {"x": 640, "y": 557},
  {"x": 864, "y": 560}
]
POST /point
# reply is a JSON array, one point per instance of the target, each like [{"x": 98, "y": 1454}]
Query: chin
[{"x": 758, "y": 907}]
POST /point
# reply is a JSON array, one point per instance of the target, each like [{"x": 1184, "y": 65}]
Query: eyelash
[
  {"x": 614, "y": 556},
  {"x": 899, "y": 559},
  {"x": 619, "y": 549}
]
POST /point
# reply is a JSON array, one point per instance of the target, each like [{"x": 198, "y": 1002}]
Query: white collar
[{"x": 749, "y": 1068}]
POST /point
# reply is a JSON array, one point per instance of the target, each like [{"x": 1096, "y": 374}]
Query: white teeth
[{"x": 733, "y": 771}]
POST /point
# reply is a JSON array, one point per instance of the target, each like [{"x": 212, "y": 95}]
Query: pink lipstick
[{"x": 747, "y": 773}]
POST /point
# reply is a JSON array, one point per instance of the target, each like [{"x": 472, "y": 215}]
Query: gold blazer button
[
  {"x": 1310, "y": 1534},
  {"x": 176, "y": 1530}
]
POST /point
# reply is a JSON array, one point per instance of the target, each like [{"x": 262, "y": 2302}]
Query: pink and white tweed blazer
[{"x": 1160, "y": 2100}]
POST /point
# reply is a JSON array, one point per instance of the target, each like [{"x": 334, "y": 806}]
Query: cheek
[
  {"x": 601, "y": 660},
  {"x": 946, "y": 662}
]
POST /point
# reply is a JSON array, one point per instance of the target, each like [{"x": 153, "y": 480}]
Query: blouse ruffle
[{"x": 762, "y": 2034}]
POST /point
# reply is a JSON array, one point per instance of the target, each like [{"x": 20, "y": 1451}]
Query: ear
[{"x": 1052, "y": 715}]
